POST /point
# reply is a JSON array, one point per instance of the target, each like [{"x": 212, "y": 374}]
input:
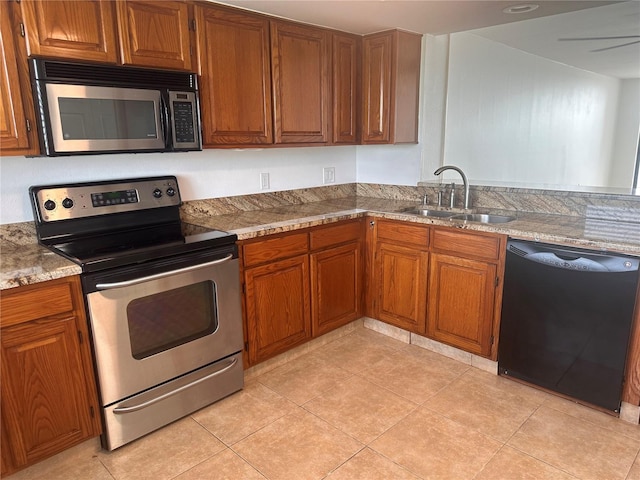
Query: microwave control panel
[{"x": 65, "y": 202}]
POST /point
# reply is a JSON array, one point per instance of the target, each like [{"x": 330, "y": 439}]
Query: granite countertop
[{"x": 24, "y": 262}]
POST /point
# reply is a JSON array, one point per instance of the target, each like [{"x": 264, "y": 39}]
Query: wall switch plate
[
  {"x": 264, "y": 181},
  {"x": 329, "y": 175}
]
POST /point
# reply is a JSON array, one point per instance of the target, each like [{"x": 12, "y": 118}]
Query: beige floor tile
[
  {"x": 225, "y": 465},
  {"x": 634, "y": 474},
  {"x": 510, "y": 464},
  {"x": 360, "y": 408},
  {"x": 305, "y": 378},
  {"x": 164, "y": 453},
  {"x": 244, "y": 412},
  {"x": 80, "y": 461},
  {"x": 298, "y": 446},
  {"x": 594, "y": 416},
  {"x": 575, "y": 445},
  {"x": 492, "y": 405},
  {"x": 359, "y": 350},
  {"x": 414, "y": 373},
  {"x": 432, "y": 446},
  {"x": 369, "y": 465}
]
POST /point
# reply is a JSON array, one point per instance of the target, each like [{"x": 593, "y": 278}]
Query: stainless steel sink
[
  {"x": 426, "y": 212},
  {"x": 483, "y": 218}
]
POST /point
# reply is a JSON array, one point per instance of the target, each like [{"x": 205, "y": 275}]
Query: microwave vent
[{"x": 112, "y": 75}]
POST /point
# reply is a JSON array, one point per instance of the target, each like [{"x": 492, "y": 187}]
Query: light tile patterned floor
[{"x": 366, "y": 406}]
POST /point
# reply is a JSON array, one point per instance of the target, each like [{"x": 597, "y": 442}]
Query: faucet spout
[{"x": 464, "y": 181}]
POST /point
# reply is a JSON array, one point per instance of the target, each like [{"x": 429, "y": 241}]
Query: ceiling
[{"x": 436, "y": 17}]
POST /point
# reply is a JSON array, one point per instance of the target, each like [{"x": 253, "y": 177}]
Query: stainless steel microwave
[{"x": 88, "y": 109}]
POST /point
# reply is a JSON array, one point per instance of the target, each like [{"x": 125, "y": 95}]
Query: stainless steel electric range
[{"x": 162, "y": 297}]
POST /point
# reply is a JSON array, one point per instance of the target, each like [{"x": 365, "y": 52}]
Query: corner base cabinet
[
  {"x": 300, "y": 285},
  {"x": 49, "y": 400}
]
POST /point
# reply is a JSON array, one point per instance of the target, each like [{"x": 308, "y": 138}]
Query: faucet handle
[
  {"x": 425, "y": 199},
  {"x": 452, "y": 199}
]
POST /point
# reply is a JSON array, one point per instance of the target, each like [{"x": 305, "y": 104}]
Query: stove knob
[
  {"x": 157, "y": 193},
  {"x": 67, "y": 203},
  {"x": 49, "y": 205},
  {"x": 171, "y": 191}
]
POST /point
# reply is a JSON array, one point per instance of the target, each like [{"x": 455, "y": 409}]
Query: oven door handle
[
  {"x": 157, "y": 276},
  {"x": 148, "y": 403}
]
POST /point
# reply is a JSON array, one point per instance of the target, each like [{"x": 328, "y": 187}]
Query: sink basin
[
  {"x": 483, "y": 218},
  {"x": 426, "y": 212}
]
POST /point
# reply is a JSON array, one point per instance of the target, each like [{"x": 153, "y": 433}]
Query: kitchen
[{"x": 287, "y": 169}]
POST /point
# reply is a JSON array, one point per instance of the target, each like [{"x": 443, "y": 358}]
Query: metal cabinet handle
[
  {"x": 136, "y": 281},
  {"x": 148, "y": 403}
]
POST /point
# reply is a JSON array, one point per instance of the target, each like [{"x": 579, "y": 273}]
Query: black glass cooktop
[{"x": 126, "y": 247}]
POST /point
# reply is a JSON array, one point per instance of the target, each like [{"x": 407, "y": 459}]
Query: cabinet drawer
[
  {"x": 480, "y": 245},
  {"x": 344, "y": 232},
  {"x": 23, "y": 304},
  {"x": 402, "y": 232},
  {"x": 275, "y": 248}
]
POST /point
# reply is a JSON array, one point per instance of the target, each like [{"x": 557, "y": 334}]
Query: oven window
[{"x": 165, "y": 320}]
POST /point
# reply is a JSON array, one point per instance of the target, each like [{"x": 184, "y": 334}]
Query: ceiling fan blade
[
  {"x": 615, "y": 46},
  {"x": 599, "y": 38}
]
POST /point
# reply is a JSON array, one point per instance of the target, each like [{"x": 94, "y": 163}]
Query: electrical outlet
[
  {"x": 329, "y": 175},
  {"x": 264, "y": 181}
]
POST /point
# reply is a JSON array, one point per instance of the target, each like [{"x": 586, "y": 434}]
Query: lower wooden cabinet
[
  {"x": 336, "y": 276},
  {"x": 49, "y": 400},
  {"x": 461, "y": 302},
  {"x": 401, "y": 261},
  {"x": 277, "y": 307},
  {"x": 465, "y": 290},
  {"x": 300, "y": 285}
]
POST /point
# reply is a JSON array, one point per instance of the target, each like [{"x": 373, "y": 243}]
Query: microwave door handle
[
  {"x": 157, "y": 276},
  {"x": 166, "y": 124}
]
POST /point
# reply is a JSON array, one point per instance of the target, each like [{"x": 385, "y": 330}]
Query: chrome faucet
[{"x": 464, "y": 180}]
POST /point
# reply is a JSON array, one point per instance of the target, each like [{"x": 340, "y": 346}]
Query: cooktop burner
[{"x": 97, "y": 236}]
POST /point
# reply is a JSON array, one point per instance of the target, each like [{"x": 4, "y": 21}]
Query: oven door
[{"x": 165, "y": 322}]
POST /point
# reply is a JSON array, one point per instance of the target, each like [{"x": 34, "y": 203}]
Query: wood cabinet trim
[
  {"x": 480, "y": 245},
  {"x": 404, "y": 233},
  {"x": 268, "y": 249},
  {"x": 331, "y": 235}
]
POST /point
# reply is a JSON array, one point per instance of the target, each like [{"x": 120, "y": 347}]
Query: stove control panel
[{"x": 64, "y": 202}]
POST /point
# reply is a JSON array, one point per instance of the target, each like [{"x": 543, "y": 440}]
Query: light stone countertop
[{"x": 23, "y": 262}]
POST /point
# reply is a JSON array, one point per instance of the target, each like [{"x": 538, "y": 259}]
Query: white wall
[
  {"x": 206, "y": 174},
  {"x": 521, "y": 119},
  {"x": 626, "y": 137}
]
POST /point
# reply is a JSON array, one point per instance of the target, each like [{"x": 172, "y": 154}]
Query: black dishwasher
[{"x": 566, "y": 320}]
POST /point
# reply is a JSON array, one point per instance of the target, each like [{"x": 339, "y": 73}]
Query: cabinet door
[
  {"x": 336, "y": 286},
  {"x": 300, "y": 69},
  {"x": 345, "y": 54},
  {"x": 14, "y": 137},
  {"x": 277, "y": 307},
  {"x": 235, "y": 86},
  {"x": 154, "y": 34},
  {"x": 391, "y": 86},
  {"x": 377, "y": 62},
  {"x": 70, "y": 29},
  {"x": 461, "y": 302},
  {"x": 401, "y": 277},
  {"x": 45, "y": 406}
]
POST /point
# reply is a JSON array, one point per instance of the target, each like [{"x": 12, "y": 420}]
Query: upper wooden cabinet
[
  {"x": 300, "y": 74},
  {"x": 17, "y": 136},
  {"x": 235, "y": 84},
  {"x": 391, "y": 84},
  {"x": 345, "y": 55},
  {"x": 154, "y": 34},
  {"x": 49, "y": 400},
  {"x": 79, "y": 30}
]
